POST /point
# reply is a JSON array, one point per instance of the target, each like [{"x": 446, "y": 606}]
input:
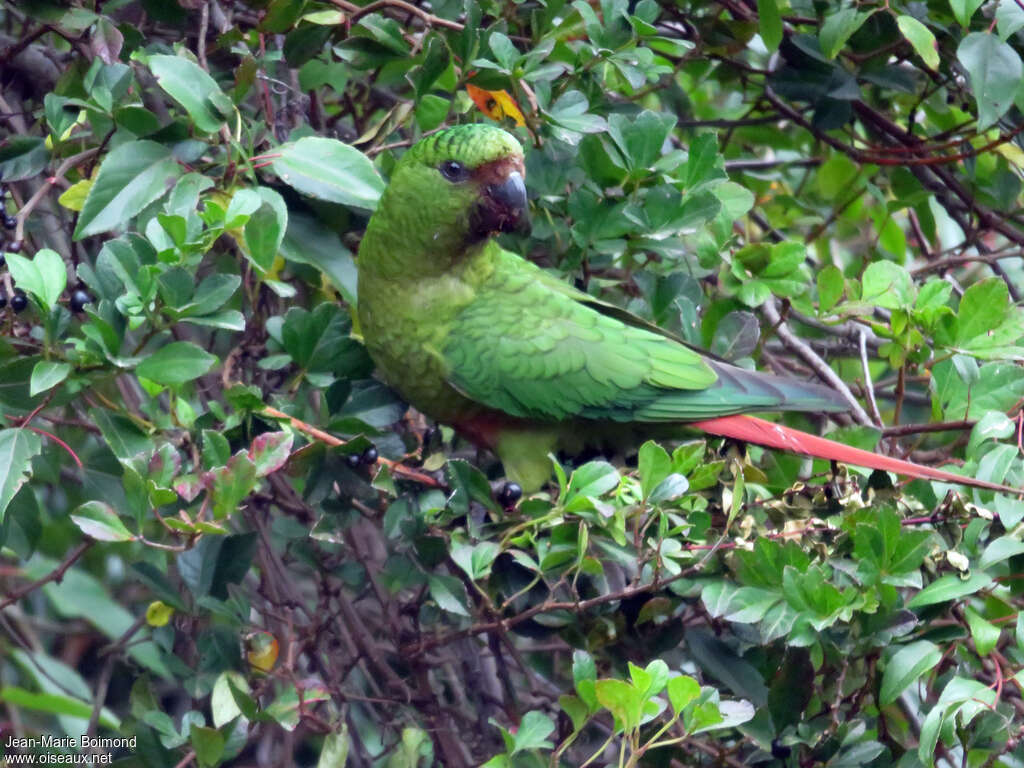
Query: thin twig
[
  {"x": 902, "y": 430},
  {"x": 429, "y": 19},
  {"x": 55, "y": 575},
  {"x": 868, "y": 386},
  {"x": 809, "y": 356},
  {"x": 204, "y": 24},
  {"x": 51, "y": 181},
  {"x": 328, "y": 439}
]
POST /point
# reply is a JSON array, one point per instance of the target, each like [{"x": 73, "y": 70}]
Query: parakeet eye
[{"x": 454, "y": 171}]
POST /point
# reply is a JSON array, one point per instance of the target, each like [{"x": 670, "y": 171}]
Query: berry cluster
[{"x": 19, "y": 301}]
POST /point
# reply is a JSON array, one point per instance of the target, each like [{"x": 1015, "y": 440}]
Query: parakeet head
[{"x": 453, "y": 189}]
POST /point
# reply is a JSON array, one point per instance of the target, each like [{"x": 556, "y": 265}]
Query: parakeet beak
[
  {"x": 503, "y": 206},
  {"x": 511, "y": 193}
]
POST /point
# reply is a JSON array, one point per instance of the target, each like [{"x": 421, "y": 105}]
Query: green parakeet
[{"x": 524, "y": 364}]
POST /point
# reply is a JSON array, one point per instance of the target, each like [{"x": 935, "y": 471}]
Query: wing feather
[{"x": 533, "y": 348}]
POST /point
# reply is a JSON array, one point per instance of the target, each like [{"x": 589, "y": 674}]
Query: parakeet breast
[{"x": 405, "y": 324}]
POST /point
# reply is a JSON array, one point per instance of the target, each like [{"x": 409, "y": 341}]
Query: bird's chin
[{"x": 492, "y": 218}]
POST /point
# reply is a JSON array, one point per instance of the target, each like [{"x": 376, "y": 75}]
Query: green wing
[{"x": 528, "y": 346}]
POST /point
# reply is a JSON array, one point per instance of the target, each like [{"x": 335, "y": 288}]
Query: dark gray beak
[{"x": 510, "y": 194}]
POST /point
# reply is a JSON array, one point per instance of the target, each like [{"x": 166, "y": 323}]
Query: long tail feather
[{"x": 770, "y": 435}]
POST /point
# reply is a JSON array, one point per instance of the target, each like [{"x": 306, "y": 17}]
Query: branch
[
  {"x": 809, "y": 356},
  {"x": 328, "y": 439},
  {"x": 40, "y": 193},
  {"x": 902, "y": 430},
  {"x": 55, "y": 575},
  {"x": 356, "y": 13}
]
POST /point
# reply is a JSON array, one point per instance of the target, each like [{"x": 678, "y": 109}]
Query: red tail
[{"x": 761, "y": 432}]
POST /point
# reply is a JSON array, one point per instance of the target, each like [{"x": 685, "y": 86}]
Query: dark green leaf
[
  {"x": 192, "y": 87},
  {"x": 130, "y": 178},
  {"x": 176, "y": 363},
  {"x": 329, "y": 170}
]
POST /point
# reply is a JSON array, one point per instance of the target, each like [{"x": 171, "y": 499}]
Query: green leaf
[
  {"x": 640, "y": 137},
  {"x": 330, "y": 170},
  {"x": 192, "y": 87},
  {"x": 316, "y": 340},
  {"x": 131, "y": 177},
  {"x": 982, "y": 308},
  {"x": 770, "y": 21},
  {"x": 576, "y": 709},
  {"x": 736, "y": 200},
  {"x": 54, "y": 703},
  {"x": 475, "y": 560},
  {"x": 830, "y": 287},
  {"x": 995, "y": 70},
  {"x": 82, "y": 596},
  {"x": 22, "y": 157},
  {"x": 208, "y": 744},
  {"x": 1009, "y": 19},
  {"x": 836, "y": 175},
  {"x": 533, "y": 732},
  {"x": 570, "y": 112},
  {"x": 334, "y": 753},
  {"x": 265, "y": 228},
  {"x": 654, "y": 466},
  {"x": 622, "y": 700},
  {"x": 590, "y": 481},
  {"x": 950, "y": 587},
  {"x": 232, "y": 484},
  {"x": 244, "y": 203},
  {"x": 223, "y": 706},
  {"x": 176, "y": 363},
  {"x": 309, "y": 241},
  {"x": 504, "y": 51},
  {"x": 100, "y": 521},
  {"x": 44, "y": 276},
  {"x": 682, "y": 689},
  {"x": 997, "y": 387},
  {"x": 270, "y": 451},
  {"x": 964, "y": 10},
  {"x": 583, "y": 668},
  {"x": 736, "y": 336},
  {"x": 448, "y": 593},
  {"x": 1001, "y": 549},
  {"x": 905, "y": 667},
  {"x": 47, "y": 374},
  {"x": 431, "y": 111},
  {"x": 920, "y": 38},
  {"x": 888, "y": 285},
  {"x": 837, "y": 29},
  {"x": 17, "y": 447},
  {"x": 984, "y": 633}
]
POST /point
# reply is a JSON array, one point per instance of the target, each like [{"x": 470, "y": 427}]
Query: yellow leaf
[
  {"x": 1013, "y": 153},
  {"x": 496, "y": 104},
  {"x": 74, "y": 196},
  {"x": 158, "y": 613}
]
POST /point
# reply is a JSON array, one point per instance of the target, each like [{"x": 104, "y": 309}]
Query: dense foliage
[{"x": 225, "y": 541}]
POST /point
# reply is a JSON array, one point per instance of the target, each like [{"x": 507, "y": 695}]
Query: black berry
[
  {"x": 79, "y": 298},
  {"x": 2, "y": 259},
  {"x": 19, "y": 301},
  {"x": 352, "y": 460},
  {"x": 13, "y": 247},
  {"x": 10, "y": 222},
  {"x": 779, "y": 750},
  {"x": 369, "y": 456},
  {"x": 3, "y": 299},
  {"x": 509, "y": 494}
]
